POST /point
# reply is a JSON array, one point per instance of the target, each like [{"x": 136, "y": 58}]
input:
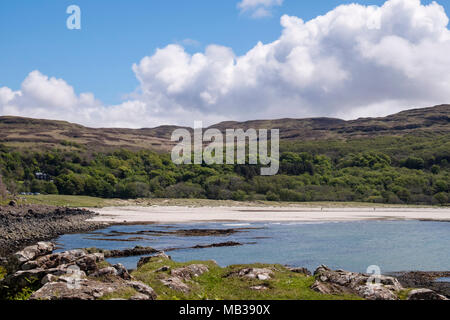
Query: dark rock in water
[
  {"x": 218, "y": 245},
  {"x": 340, "y": 281},
  {"x": 136, "y": 251},
  {"x": 425, "y": 294},
  {"x": 12, "y": 203}
]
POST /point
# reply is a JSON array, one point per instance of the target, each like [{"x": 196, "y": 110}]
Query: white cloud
[
  {"x": 258, "y": 8},
  {"x": 354, "y": 61}
]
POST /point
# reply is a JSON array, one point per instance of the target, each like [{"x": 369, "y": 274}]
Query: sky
[{"x": 144, "y": 63}]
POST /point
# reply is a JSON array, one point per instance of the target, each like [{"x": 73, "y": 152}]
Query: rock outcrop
[
  {"x": 176, "y": 284},
  {"x": 25, "y": 225},
  {"x": 425, "y": 294},
  {"x": 160, "y": 256},
  {"x": 70, "y": 275},
  {"x": 189, "y": 272},
  {"x": 254, "y": 273},
  {"x": 344, "y": 282}
]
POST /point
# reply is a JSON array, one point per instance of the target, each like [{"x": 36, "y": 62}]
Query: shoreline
[{"x": 184, "y": 214}]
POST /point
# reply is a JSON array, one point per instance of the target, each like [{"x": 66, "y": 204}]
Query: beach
[{"x": 179, "y": 214}]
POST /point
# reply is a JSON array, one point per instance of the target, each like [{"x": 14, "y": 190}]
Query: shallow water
[{"x": 391, "y": 245}]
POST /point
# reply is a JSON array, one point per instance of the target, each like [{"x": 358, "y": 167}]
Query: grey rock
[
  {"x": 188, "y": 272},
  {"x": 256, "y": 273},
  {"x": 122, "y": 271},
  {"x": 142, "y": 288},
  {"x": 33, "y": 252},
  {"x": 108, "y": 271},
  {"x": 176, "y": 284},
  {"x": 425, "y": 294},
  {"x": 155, "y": 258},
  {"x": 340, "y": 281}
]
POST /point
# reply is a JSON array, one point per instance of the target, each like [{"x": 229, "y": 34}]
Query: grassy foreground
[
  {"x": 217, "y": 284},
  {"x": 94, "y": 202}
]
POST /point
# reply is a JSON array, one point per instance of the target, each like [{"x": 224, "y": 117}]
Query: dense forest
[{"x": 413, "y": 169}]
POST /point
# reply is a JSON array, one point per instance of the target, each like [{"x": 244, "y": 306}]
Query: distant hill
[{"x": 37, "y": 134}]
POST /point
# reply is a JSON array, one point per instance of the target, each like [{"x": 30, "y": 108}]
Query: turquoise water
[{"x": 391, "y": 245}]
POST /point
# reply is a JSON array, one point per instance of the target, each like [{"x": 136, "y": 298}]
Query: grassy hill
[
  {"x": 37, "y": 134},
  {"x": 399, "y": 159}
]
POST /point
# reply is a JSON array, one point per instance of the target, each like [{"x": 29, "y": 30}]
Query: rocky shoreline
[
  {"x": 37, "y": 273},
  {"x": 22, "y": 225}
]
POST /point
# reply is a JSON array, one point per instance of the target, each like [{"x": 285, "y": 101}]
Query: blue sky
[
  {"x": 116, "y": 34},
  {"x": 326, "y": 73}
]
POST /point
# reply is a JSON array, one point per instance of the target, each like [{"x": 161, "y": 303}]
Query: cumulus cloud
[
  {"x": 354, "y": 61},
  {"x": 258, "y": 8}
]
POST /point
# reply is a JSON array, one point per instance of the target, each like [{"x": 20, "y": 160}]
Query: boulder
[
  {"x": 188, "y": 272},
  {"x": 340, "y": 281},
  {"x": 89, "y": 289},
  {"x": 23, "y": 278},
  {"x": 122, "y": 271},
  {"x": 142, "y": 289},
  {"x": 155, "y": 258},
  {"x": 108, "y": 271},
  {"x": 84, "y": 290},
  {"x": 256, "y": 273},
  {"x": 33, "y": 252},
  {"x": 86, "y": 262},
  {"x": 425, "y": 294},
  {"x": 259, "y": 288},
  {"x": 176, "y": 284}
]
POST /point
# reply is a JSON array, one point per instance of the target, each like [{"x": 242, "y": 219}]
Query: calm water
[{"x": 392, "y": 245}]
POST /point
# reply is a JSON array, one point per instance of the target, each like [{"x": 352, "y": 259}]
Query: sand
[{"x": 161, "y": 214}]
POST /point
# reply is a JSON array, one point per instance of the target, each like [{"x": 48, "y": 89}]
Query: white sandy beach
[{"x": 161, "y": 214}]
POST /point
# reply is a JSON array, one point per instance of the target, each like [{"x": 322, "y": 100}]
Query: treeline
[{"x": 395, "y": 170}]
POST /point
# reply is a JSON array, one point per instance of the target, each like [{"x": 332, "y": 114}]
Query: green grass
[
  {"x": 403, "y": 295},
  {"x": 93, "y": 202},
  {"x": 216, "y": 285},
  {"x": 66, "y": 201},
  {"x": 3, "y": 273}
]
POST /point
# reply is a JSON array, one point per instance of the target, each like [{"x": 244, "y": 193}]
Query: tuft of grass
[
  {"x": 220, "y": 284},
  {"x": 403, "y": 295},
  {"x": 103, "y": 264},
  {"x": 3, "y": 273}
]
